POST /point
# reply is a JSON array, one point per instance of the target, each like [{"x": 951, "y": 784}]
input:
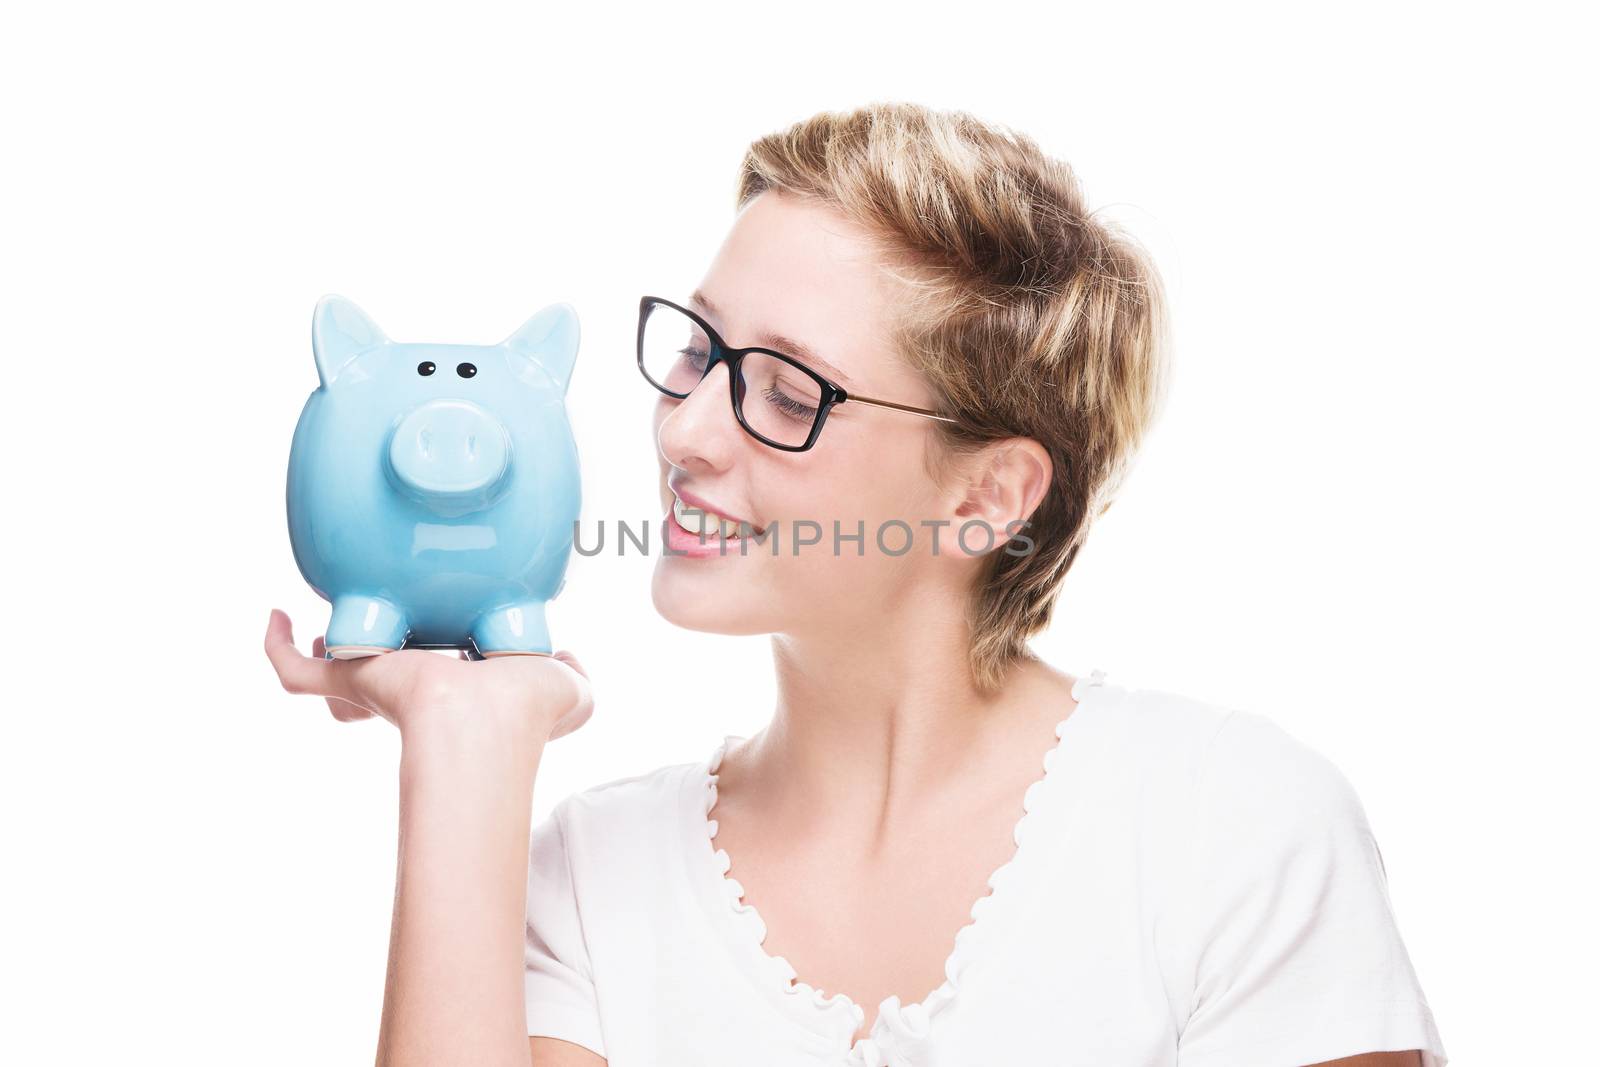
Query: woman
[{"x": 914, "y": 331}]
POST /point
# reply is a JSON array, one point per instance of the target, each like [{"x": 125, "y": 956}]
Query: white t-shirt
[{"x": 1192, "y": 887}]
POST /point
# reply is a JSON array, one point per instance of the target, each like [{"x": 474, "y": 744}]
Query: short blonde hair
[{"x": 1028, "y": 317}]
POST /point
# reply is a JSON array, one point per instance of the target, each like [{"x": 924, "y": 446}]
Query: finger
[
  {"x": 299, "y": 673},
  {"x": 583, "y": 689},
  {"x": 342, "y": 709},
  {"x": 580, "y": 712},
  {"x": 345, "y": 711},
  {"x": 572, "y": 661},
  {"x": 576, "y": 676}
]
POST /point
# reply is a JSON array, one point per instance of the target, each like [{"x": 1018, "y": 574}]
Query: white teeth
[{"x": 709, "y": 523}]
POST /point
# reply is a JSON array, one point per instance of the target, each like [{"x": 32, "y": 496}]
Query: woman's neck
[{"x": 870, "y": 737}]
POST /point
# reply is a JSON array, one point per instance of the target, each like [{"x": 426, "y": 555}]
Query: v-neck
[{"x": 831, "y": 1021}]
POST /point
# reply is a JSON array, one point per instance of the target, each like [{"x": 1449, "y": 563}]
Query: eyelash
[
  {"x": 792, "y": 406},
  {"x": 787, "y": 404}
]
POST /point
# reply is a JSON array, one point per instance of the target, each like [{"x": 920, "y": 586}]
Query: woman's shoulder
[
  {"x": 631, "y": 810},
  {"x": 1273, "y": 893},
  {"x": 1234, "y": 760}
]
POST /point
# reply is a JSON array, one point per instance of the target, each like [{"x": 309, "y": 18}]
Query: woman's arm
[
  {"x": 554, "y": 1052},
  {"x": 472, "y": 735},
  {"x": 454, "y": 991}
]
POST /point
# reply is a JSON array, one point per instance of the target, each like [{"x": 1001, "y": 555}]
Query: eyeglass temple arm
[{"x": 853, "y": 398}]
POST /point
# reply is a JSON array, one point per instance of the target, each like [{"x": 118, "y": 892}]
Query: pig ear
[
  {"x": 550, "y": 339},
  {"x": 340, "y": 331}
]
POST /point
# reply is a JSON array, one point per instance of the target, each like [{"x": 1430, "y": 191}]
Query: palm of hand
[{"x": 548, "y": 694}]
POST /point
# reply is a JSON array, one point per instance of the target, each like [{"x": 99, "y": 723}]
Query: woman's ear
[{"x": 1004, "y": 485}]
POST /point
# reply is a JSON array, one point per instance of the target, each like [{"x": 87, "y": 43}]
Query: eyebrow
[{"x": 786, "y": 345}]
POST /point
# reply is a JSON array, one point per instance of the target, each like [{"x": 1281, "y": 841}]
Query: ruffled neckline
[{"x": 900, "y": 1034}]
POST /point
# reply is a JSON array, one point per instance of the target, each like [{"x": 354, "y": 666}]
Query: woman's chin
[{"x": 696, "y": 599}]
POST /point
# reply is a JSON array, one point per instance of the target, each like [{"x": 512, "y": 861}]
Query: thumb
[{"x": 572, "y": 661}]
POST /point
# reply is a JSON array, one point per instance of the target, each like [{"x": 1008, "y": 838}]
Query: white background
[{"x": 1368, "y": 511}]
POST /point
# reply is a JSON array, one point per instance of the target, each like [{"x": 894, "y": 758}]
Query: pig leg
[
  {"x": 364, "y": 626},
  {"x": 516, "y": 629}
]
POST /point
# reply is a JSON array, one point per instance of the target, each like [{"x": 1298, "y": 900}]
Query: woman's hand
[{"x": 539, "y": 697}]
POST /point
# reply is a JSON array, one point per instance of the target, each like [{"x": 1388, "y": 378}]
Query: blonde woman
[{"x": 941, "y": 850}]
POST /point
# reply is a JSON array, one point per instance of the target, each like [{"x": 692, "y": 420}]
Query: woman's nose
[{"x": 701, "y": 425}]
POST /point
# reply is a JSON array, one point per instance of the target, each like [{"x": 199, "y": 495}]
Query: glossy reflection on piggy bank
[{"x": 433, "y": 488}]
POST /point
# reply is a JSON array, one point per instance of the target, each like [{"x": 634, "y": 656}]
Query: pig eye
[
  {"x": 425, "y": 368},
  {"x": 466, "y": 370}
]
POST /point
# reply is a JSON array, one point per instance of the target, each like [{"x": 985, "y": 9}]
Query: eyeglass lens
[{"x": 773, "y": 398}]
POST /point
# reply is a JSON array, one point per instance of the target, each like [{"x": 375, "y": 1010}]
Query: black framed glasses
[{"x": 787, "y": 401}]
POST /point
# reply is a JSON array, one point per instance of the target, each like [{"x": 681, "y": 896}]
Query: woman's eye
[
  {"x": 790, "y": 406},
  {"x": 426, "y": 367},
  {"x": 694, "y": 357}
]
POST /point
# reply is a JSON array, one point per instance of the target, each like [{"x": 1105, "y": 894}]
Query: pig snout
[{"x": 450, "y": 455}]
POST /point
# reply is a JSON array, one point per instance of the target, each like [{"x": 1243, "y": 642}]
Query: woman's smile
[{"x": 689, "y": 531}]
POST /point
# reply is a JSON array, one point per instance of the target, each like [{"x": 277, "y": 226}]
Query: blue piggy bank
[{"x": 433, "y": 489}]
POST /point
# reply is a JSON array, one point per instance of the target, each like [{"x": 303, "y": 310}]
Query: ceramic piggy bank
[{"x": 433, "y": 488}]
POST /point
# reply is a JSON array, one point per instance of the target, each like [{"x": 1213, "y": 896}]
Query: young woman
[{"x": 941, "y": 850}]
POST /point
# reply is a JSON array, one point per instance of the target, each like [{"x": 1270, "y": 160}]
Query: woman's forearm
[{"x": 454, "y": 988}]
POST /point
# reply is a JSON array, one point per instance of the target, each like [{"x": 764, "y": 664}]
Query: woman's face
[{"x": 796, "y": 268}]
